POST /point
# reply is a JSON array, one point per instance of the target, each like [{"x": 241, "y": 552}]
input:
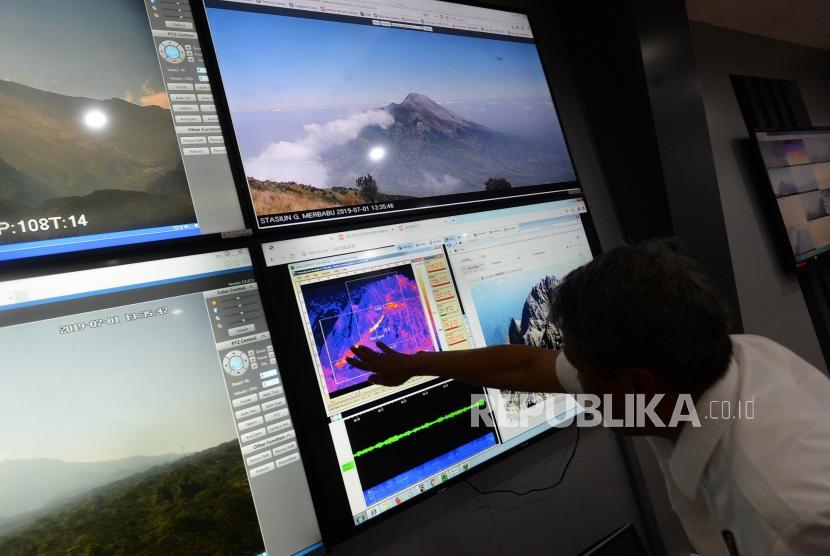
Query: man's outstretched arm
[{"x": 511, "y": 367}]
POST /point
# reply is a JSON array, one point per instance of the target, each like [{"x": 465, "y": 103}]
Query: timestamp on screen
[
  {"x": 43, "y": 224},
  {"x": 112, "y": 320},
  {"x": 146, "y": 314}
]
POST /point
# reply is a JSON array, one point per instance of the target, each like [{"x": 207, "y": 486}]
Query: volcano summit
[{"x": 431, "y": 150}]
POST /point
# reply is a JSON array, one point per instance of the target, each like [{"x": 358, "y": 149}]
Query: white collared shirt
[{"x": 764, "y": 477}]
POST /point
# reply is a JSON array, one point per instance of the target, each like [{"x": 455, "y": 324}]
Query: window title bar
[
  {"x": 419, "y": 233},
  {"x": 60, "y": 286},
  {"x": 420, "y": 15}
]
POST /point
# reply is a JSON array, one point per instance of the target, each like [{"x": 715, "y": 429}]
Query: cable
[
  {"x": 532, "y": 490},
  {"x": 493, "y": 525}
]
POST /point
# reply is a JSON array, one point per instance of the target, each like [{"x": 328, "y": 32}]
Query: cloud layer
[
  {"x": 301, "y": 161},
  {"x": 148, "y": 96}
]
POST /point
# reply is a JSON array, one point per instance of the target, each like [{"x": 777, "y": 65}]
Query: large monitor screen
[
  {"x": 144, "y": 413},
  {"x": 450, "y": 283},
  {"x": 109, "y": 134},
  {"x": 349, "y": 109},
  {"x": 798, "y": 166}
]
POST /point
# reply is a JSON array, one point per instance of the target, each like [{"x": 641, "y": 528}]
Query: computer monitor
[
  {"x": 109, "y": 133},
  {"x": 797, "y": 168},
  {"x": 447, "y": 283},
  {"x": 143, "y": 411},
  {"x": 349, "y": 110}
]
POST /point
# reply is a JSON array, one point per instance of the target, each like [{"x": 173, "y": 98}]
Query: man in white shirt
[{"x": 754, "y": 477}]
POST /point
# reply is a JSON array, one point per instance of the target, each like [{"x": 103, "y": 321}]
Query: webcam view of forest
[
  {"x": 119, "y": 440},
  {"x": 197, "y": 504},
  {"x": 85, "y": 124}
]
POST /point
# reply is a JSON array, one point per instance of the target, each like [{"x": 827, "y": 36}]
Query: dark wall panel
[{"x": 634, "y": 62}]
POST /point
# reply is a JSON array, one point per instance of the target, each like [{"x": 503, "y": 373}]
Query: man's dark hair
[{"x": 648, "y": 305}]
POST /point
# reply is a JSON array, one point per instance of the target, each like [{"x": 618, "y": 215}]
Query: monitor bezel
[
  {"x": 57, "y": 263},
  {"x": 98, "y": 253},
  {"x": 337, "y": 526},
  {"x": 770, "y": 207},
  {"x": 426, "y": 204}
]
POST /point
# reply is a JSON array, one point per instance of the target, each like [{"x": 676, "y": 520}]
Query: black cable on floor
[{"x": 532, "y": 490}]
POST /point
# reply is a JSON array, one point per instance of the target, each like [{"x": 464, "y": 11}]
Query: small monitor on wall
[
  {"x": 797, "y": 168},
  {"x": 342, "y": 111},
  {"x": 446, "y": 283},
  {"x": 109, "y": 133},
  {"x": 147, "y": 414}
]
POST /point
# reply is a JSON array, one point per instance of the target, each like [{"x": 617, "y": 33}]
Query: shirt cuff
[{"x": 567, "y": 375}]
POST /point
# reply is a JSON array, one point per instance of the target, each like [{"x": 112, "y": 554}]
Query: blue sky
[
  {"x": 98, "y": 49},
  {"x": 279, "y": 62}
]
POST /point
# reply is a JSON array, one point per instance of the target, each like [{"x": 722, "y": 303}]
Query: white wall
[{"x": 771, "y": 301}]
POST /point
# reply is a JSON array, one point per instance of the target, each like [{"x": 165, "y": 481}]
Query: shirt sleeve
[
  {"x": 810, "y": 535},
  {"x": 567, "y": 375}
]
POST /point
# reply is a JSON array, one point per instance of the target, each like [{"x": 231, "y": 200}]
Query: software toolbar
[
  {"x": 252, "y": 378},
  {"x": 186, "y": 78},
  {"x": 419, "y": 15}
]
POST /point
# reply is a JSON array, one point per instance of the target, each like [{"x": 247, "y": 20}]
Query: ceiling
[{"x": 805, "y": 22}]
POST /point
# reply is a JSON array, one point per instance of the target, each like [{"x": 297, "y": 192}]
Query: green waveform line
[{"x": 349, "y": 465}]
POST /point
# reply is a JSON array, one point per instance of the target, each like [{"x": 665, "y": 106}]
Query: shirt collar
[{"x": 695, "y": 445}]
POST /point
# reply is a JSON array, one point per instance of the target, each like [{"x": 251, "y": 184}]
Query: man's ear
[{"x": 641, "y": 381}]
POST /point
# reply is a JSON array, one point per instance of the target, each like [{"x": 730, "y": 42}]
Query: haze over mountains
[
  {"x": 30, "y": 484},
  {"x": 196, "y": 504},
  {"x": 430, "y": 150},
  {"x": 53, "y": 165}
]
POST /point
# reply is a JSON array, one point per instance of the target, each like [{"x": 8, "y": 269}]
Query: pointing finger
[
  {"x": 361, "y": 364},
  {"x": 363, "y": 352},
  {"x": 385, "y": 349}
]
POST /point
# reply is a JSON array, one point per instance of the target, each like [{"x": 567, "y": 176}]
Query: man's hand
[
  {"x": 520, "y": 368},
  {"x": 388, "y": 367}
]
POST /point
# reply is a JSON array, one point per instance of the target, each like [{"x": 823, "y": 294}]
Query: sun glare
[
  {"x": 95, "y": 119},
  {"x": 377, "y": 153}
]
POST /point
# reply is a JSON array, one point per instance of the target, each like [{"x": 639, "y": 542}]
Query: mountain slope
[
  {"x": 535, "y": 327},
  {"x": 278, "y": 197},
  {"x": 43, "y": 136},
  {"x": 427, "y": 115},
  {"x": 429, "y": 150},
  {"x": 200, "y": 504},
  {"x": 18, "y": 188},
  {"x": 126, "y": 176},
  {"x": 172, "y": 183}
]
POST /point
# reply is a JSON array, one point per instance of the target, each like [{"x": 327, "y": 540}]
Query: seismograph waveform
[{"x": 397, "y": 437}]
